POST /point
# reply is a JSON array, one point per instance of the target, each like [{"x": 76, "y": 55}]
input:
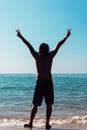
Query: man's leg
[
  {"x": 32, "y": 115},
  {"x": 48, "y": 115}
]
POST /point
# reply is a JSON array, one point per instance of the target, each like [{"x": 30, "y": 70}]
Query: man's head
[{"x": 44, "y": 49}]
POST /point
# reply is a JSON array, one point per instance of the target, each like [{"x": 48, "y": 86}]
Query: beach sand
[
  {"x": 62, "y": 127},
  {"x": 36, "y": 129},
  {"x": 12, "y": 128}
]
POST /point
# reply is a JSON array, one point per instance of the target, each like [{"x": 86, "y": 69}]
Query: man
[{"x": 44, "y": 84}]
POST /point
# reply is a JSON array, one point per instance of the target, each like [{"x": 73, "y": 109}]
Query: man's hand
[
  {"x": 18, "y": 33},
  {"x": 68, "y": 32}
]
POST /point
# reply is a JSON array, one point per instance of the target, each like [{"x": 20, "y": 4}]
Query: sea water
[{"x": 16, "y": 93}]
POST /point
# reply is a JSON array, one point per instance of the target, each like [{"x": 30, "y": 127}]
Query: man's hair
[{"x": 44, "y": 49}]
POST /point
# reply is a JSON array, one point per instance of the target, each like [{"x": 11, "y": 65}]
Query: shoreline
[
  {"x": 15, "y": 128},
  {"x": 58, "y": 127}
]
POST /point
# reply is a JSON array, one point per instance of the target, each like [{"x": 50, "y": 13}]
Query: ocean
[{"x": 16, "y": 93}]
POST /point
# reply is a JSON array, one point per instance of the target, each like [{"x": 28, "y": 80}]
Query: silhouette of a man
[{"x": 44, "y": 84}]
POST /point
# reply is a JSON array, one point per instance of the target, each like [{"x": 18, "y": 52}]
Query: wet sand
[{"x": 64, "y": 127}]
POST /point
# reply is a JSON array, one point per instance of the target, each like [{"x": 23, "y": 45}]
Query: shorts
[{"x": 43, "y": 89}]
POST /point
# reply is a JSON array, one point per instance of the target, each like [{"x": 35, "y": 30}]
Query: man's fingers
[
  {"x": 70, "y": 29},
  {"x": 16, "y": 30}
]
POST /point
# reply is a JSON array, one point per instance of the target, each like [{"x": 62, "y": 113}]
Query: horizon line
[{"x": 35, "y": 73}]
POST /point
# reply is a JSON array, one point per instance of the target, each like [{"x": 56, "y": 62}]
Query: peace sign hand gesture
[
  {"x": 18, "y": 33},
  {"x": 68, "y": 32}
]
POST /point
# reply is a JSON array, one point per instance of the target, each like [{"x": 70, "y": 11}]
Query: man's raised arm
[
  {"x": 26, "y": 42},
  {"x": 61, "y": 42}
]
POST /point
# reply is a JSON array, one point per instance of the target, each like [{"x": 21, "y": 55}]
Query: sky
[{"x": 43, "y": 21}]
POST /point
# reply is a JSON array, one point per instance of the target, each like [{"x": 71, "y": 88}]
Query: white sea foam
[
  {"x": 11, "y": 122},
  {"x": 39, "y": 122},
  {"x": 68, "y": 120}
]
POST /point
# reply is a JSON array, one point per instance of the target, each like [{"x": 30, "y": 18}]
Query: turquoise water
[{"x": 16, "y": 93}]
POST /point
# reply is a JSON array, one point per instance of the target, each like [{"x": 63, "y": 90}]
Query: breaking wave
[{"x": 39, "y": 122}]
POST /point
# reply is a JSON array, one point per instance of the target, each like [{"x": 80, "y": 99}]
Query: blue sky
[{"x": 43, "y": 21}]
